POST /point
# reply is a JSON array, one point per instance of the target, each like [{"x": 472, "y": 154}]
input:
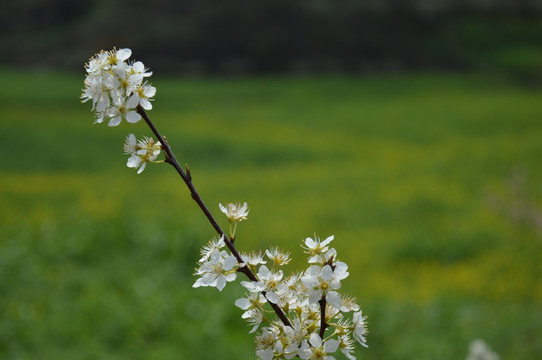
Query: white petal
[
  {"x": 133, "y": 161},
  {"x": 132, "y": 102},
  {"x": 198, "y": 283},
  {"x": 253, "y": 286},
  {"x": 229, "y": 263},
  {"x": 348, "y": 355},
  {"x": 315, "y": 296},
  {"x": 310, "y": 243},
  {"x": 327, "y": 273},
  {"x": 131, "y": 141},
  {"x": 309, "y": 281},
  {"x": 215, "y": 256},
  {"x": 335, "y": 284},
  {"x": 315, "y": 340},
  {"x": 304, "y": 351},
  {"x": 123, "y": 54},
  {"x": 231, "y": 277},
  {"x": 331, "y": 346},
  {"x": 132, "y": 117},
  {"x": 315, "y": 259},
  {"x": 149, "y": 92},
  {"x": 327, "y": 241},
  {"x": 115, "y": 121},
  {"x": 221, "y": 282},
  {"x": 272, "y": 297},
  {"x": 334, "y": 299},
  {"x": 145, "y": 104},
  {"x": 142, "y": 168},
  {"x": 243, "y": 303},
  {"x": 263, "y": 272},
  {"x": 313, "y": 270},
  {"x": 138, "y": 66}
]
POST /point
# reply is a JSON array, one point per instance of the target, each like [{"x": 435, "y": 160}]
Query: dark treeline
[{"x": 278, "y": 36}]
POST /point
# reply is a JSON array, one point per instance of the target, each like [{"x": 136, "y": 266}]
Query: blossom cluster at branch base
[{"x": 304, "y": 298}]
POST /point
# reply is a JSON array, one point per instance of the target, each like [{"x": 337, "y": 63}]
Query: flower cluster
[
  {"x": 321, "y": 320},
  {"x": 117, "y": 88}
]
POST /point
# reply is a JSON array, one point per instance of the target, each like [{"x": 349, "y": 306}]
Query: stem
[
  {"x": 323, "y": 325},
  {"x": 187, "y": 178}
]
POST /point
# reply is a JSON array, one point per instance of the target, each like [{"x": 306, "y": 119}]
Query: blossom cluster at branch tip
[
  {"x": 141, "y": 152},
  {"x": 118, "y": 91},
  {"x": 300, "y": 296},
  {"x": 117, "y": 87}
]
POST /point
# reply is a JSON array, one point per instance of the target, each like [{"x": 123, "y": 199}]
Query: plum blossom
[
  {"x": 235, "y": 212},
  {"x": 268, "y": 282},
  {"x": 218, "y": 269},
  {"x": 318, "y": 350},
  {"x": 141, "y": 152},
  {"x": 360, "y": 328},
  {"x": 278, "y": 257},
  {"x": 253, "y": 306},
  {"x": 322, "y": 284},
  {"x": 315, "y": 247},
  {"x": 116, "y": 87}
]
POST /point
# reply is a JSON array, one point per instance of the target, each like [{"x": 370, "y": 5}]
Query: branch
[
  {"x": 323, "y": 325},
  {"x": 187, "y": 178}
]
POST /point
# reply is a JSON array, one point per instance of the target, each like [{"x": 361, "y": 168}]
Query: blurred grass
[{"x": 97, "y": 262}]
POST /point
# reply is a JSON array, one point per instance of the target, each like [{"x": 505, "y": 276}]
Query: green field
[{"x": 413, "y": 174}]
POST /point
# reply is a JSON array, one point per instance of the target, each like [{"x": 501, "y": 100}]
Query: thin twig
[{"x": 187, "y": 178}]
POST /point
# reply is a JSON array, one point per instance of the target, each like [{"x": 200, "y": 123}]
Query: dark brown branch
[
  {"x": 323, "y": 324},
  {"x": 187, "y": 178}
]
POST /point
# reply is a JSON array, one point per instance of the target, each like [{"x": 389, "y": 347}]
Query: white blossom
[
  {"x": 235, "y": 212},
  {"x": 218, "y": 269},
  {"x": 142, "y": 96},
  {"x": 253, "y": 259},
  {"x": 253, "y": 306},
  {"x": 211, "y": 246},
  {"x": 360, "y": 328},
  {"x": 322, "y": 284},
  {"x": 295, "y": 335},
  {"x": 346, "y": 345},
  {"x": 268, "y": 282},
  {"x": 318, "y": 350},
  {"x": 315, "y": 247},
  {"x": 278, "y": 257},
  {"x": 268, "y": 342},
  {"x": 348, "y": 304},
  {"x": 142, "y": 152}
]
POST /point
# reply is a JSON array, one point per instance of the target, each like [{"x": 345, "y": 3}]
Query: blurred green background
[{"x": 426, "y": 172}]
